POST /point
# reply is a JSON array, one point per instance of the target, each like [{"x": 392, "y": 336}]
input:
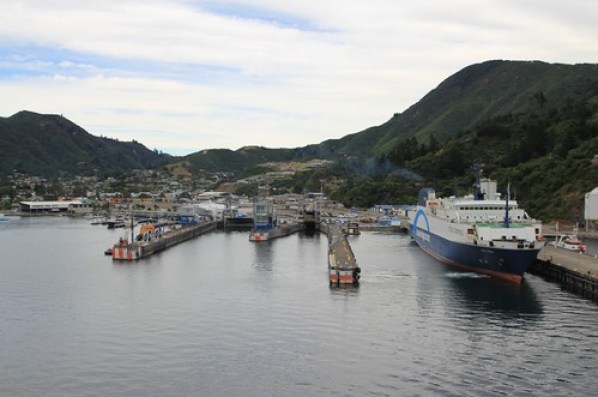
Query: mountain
[
  {"x": 468, "y": 98},
  {"x": 45, "y": 145},
  {"x": 238, "y": 160},
  {"x": 475, "y": 94}
]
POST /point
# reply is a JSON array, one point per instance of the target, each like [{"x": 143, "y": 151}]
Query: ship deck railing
[{"x": 495, "y": 222}]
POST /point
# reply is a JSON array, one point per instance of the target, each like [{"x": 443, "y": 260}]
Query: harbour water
[{"x": 220, "y": 316}]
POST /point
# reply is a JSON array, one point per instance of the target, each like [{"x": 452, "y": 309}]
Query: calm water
[{"x": 220, "y": 316}]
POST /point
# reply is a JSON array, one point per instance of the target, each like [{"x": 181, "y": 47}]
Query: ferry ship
[{"x": 482, "y": 232}]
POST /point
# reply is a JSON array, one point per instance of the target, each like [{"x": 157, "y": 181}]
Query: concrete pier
[
  {"x": 130, "y": 251},
  {"x": 574, "y": 271},
  {"x": 342, "y": 265}
]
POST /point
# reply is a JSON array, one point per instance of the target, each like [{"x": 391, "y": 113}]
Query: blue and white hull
[
  {"x": 505, "y": 253},
  {"x": 501, "y": 263}
]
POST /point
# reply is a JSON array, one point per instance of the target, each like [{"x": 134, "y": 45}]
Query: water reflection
[
  {"x": 263, "y": 256},
  {"x": 493, "y": 297},
  {"x": 344, "y": 289}
]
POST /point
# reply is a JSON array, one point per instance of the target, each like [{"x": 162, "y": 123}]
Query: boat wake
[
  {"x": 465, "y": 275},
  {"x": 398, "y": 275}
]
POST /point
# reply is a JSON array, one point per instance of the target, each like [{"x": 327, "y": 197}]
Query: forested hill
[
  {"x": 45, "y": 145},
  {"x": 474, "y": 94}
]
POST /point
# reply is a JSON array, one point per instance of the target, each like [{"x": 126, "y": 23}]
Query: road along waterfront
[{"x": 218, "y": 315}]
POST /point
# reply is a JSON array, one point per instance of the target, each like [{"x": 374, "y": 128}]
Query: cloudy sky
[{"x": 186, "y": 75}]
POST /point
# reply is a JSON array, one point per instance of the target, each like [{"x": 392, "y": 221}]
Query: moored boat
[
  {"x": 264, "y": 222},
  {"x": 482, "y": 232},
  {"x": 570, "y": 242},
  {"x": 266, "y": 225},
  {"x": 6, "y": 218},
  {"x": 352, "y": 229},
  {"x": 98, "y": 220}
]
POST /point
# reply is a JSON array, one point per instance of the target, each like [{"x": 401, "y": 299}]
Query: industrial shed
[
  {"x": 591, "y": 207},
  {"x": 81, "y": 205}
]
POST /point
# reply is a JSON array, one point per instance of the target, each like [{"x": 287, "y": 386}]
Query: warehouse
[{"x": 78, "y": 205}]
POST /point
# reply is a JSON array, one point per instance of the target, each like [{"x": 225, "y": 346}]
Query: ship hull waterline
[{"x": 505, "y": 264}]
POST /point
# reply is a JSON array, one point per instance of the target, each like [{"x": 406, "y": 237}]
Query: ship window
[{"x": 469, "y": 231}]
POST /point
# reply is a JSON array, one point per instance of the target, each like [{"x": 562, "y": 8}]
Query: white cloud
[{"x": 201, "y": 74}]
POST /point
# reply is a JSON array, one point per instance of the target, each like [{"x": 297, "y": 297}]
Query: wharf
[
  {"x": 237, "y": 223},
  {"x": 287, "y": 229},
  {"x": 575, "y": 272},
  {"x": 276, "y": 232},
  {"x": 342, "y": 265},
  {"x": 141, "y": 249}
]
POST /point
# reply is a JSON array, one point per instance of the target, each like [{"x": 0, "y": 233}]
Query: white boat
[
  {"x": 481, "y": 232},
  {"x": 569, "y": 242},
  {"x": 6, "y": 218},
  {"x": 98, "y": 220}
]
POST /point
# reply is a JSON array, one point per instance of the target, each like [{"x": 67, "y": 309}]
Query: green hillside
[
  {"x": 532, "y": 124},
  {"x": 548, "y": 156},
  {"x": 476, "y": 93},
  {"x": 238, "y": 161},
  {"x": 46, "y": 145}
]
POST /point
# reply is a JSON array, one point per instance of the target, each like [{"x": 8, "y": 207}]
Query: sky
[{"x": 180, "y": 76}]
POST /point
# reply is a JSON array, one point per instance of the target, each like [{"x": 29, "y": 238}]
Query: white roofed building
[
  {"x": 77, "y": 205},
  {"x": 591, "y": 207}
]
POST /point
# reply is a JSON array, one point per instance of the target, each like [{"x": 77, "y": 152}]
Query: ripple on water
[{"x": 225, "y": 317}]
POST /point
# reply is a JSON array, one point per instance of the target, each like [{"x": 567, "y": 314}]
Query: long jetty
[
  {"x": 342, "y": 265},
  {"x": 128, "y": 251},
  {"x": 575, "y": 272}
]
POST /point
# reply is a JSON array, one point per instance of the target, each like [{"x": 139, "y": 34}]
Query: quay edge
[
  {"x": 574, "y": 272},
  {"x": 342, "y": 265},
  {"x": 130, "y": 251}
]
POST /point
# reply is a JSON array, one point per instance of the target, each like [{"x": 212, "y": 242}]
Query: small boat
[
  {"x": 98, "y": 220},
  {"x": 116, "y": 223},
  {"x": 352, "y": 229},
  {"x": 5, "y": 218},
  {"x": 264, "y": 220},
  {"x": 569, "y": 242}
]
